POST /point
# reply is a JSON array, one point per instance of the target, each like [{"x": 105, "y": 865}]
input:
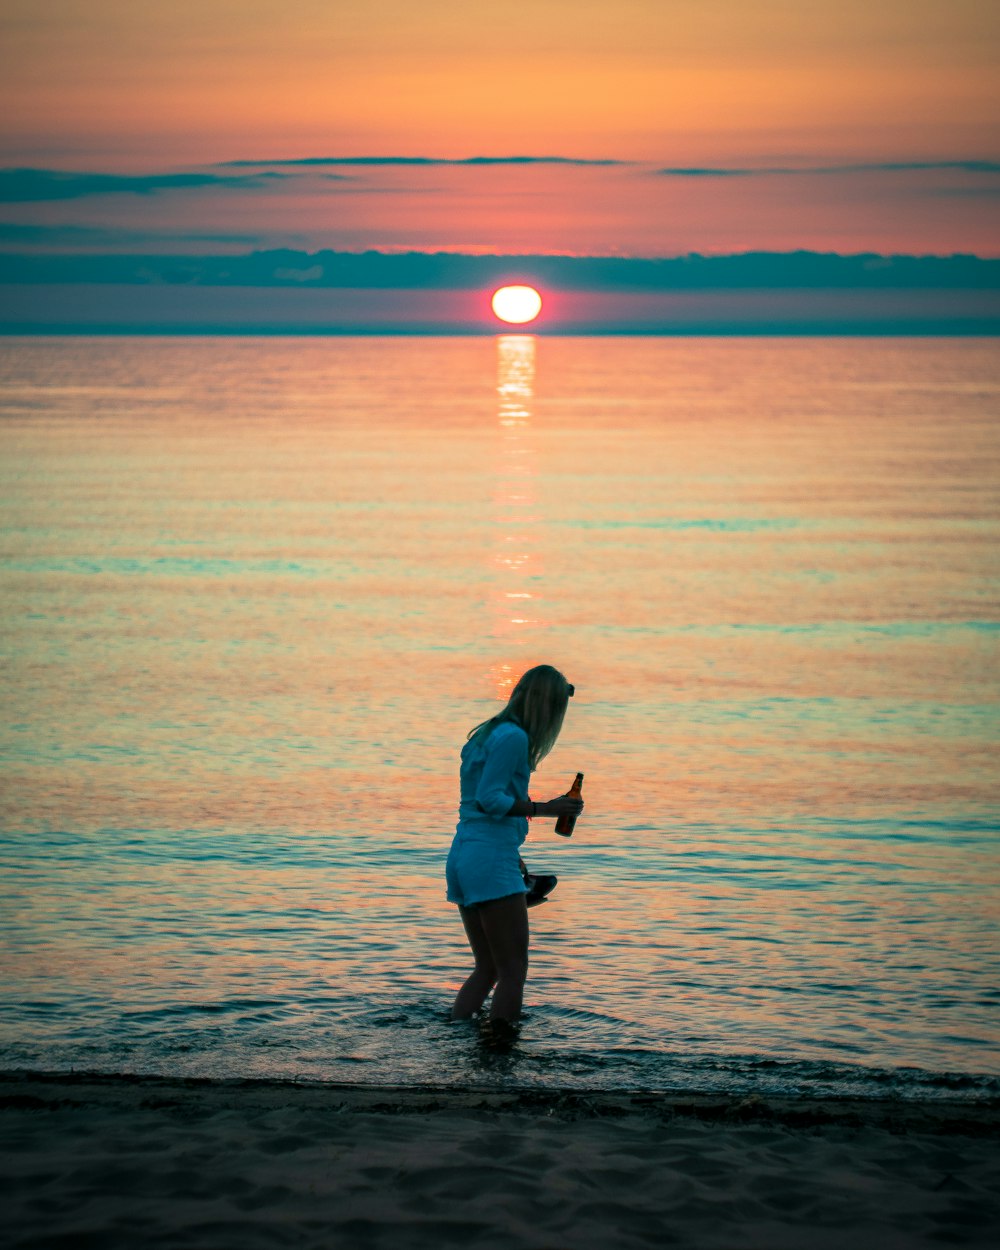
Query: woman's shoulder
[
  {"x": 509, "y": 731},
  {"x": 508, "y": 735}
]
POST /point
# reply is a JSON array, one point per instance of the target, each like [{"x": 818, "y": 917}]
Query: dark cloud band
[
  {"x": 455, "y": 271},
  {"x": 787, "y": 171},
  {"x": 26, "y": 185},
  {"x": 115, "y": 238},
  {"x": 23, "y": 186}
]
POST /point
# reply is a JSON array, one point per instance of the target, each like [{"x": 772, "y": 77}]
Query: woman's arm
[
  {"x": 506, "y": 753},
  {"x": 561, "y": 806}
]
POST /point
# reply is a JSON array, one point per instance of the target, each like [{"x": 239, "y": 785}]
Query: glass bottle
[{"x": 566, "y": 824}]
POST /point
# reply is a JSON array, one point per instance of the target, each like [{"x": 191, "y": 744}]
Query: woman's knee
[
  {"x": 487, "y": 971},
  {"x": 512, "y": 968}
]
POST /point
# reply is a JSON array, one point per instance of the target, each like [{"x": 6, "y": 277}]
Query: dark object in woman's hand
[{"x": 538, "y": 885}]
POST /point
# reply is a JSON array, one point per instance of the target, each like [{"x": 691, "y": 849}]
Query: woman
[{"x": 484, "y": 878}]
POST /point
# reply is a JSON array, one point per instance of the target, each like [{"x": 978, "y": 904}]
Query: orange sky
[{"x": 110, "y": 85}]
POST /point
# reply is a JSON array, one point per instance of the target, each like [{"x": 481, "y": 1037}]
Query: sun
[{"x": 517, "y": 304}]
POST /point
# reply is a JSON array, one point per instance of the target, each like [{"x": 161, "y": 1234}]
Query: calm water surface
[{"x": 256, "y": 592}]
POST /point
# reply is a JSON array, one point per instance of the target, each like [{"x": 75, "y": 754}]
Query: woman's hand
[{"x": 562, "y": 806}]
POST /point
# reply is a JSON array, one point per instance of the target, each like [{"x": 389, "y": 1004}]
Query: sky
[{"x": 640, "y": 128}]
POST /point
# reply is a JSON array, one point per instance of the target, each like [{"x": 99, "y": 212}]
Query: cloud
[
  {"x": 21, "y": 186},
  {"x": 444, "y": 271},
  {"x": 34, "y": 186},
  {"x": 782, "y": 171},
  {"x": 116, "y": 237},
  {"x": 306, "y": 162}
]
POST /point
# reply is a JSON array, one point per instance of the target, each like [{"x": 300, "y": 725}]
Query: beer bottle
[{"x": 565, "y": 824}]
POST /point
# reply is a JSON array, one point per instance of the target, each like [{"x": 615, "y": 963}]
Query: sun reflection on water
[{"x": 517, "y": 562}]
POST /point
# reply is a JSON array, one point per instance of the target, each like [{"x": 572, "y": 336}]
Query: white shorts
[{"x": 481, "y": 868}]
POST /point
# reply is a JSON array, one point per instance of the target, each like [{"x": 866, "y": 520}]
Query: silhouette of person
[{"x": 484, "y": 870}]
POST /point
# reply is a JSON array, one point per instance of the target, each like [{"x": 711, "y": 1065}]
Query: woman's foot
[{"x": 498, "y": 1034}]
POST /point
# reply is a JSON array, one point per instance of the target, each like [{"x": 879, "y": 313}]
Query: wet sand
[{"x": 92, "y": 1161}]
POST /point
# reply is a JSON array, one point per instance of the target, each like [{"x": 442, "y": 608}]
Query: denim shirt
[{"x": 494, "y": 775}]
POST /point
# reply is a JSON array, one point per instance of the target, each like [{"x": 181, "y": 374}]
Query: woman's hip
[{"x": 479, "y": 870}]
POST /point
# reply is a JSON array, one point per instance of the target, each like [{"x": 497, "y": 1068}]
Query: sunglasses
[{"x": 571, "y": 689}]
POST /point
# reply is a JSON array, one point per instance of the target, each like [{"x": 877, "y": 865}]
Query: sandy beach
[{"x": 94, "y": 1161}]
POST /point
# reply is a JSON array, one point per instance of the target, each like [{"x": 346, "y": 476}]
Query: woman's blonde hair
[{"x": 538, "y": 704}]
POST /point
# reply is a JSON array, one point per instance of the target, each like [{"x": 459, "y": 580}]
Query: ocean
[{"x": 257, "y": 591}]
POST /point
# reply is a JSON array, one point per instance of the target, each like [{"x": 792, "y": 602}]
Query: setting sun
[{"x": 517, "y": 304}]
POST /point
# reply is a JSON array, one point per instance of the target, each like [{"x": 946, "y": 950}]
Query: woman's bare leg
[
  {"x": 473, "y": 993},
  {"x": 504, "y": 921}
]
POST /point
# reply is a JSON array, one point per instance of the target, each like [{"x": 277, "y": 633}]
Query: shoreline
[
  {"x": 40, "y": 1089},
  {"x": 126, "y": 1161}
]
